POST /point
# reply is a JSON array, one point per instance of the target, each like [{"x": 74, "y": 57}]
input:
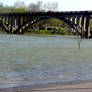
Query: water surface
[{"x": 34, "y": 59}]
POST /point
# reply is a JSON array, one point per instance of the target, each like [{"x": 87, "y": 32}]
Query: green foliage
[
  {"x": 49, "y": 32},
  {"x": 51, "y": 22},
  {"x": 46, "y": 32},
  {"x": 32, "y": 31},
  {"x": 64, "y": 32},
  {"x": 21, "y": 9},
  {"x": 91, "y": 23},
  {"x": 4, "y": 9}
]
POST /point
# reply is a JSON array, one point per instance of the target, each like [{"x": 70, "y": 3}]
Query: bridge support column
[
  {"x": 15, "y": 26},
  {"x": 19, "y": 25},
  {"x": 5, "y": 20},
  {"x": 82, "y": 27},
  {"x": 73, "y": 20},
  {"x": 24, "y": 19},
  {"x": 78, "y": 20},
  {"x": 2, "y": 21},
  {"x": 9, "y": 24},
  {"x": 11, "y": 28},
  {"x": 6, "y": 24},
  {"x": 87, "y": 27}
]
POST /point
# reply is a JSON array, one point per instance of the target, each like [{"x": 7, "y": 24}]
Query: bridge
[{"x": 17, "y": 23}]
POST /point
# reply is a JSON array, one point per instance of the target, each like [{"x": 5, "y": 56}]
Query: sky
[{"x": 64, "y": 5}]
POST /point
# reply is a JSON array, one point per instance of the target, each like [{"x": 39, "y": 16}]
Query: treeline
[{"x": 39, "y": 6}]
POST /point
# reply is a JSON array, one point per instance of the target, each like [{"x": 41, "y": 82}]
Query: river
[{"x": 35, "y": 59}]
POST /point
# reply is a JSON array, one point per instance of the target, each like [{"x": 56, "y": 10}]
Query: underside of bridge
[{"x": 17, "y": 23}]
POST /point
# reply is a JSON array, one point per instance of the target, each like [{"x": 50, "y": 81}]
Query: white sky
[{"x": 64, "y": 5}]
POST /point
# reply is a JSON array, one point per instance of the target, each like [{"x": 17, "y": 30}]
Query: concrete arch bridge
[{"x": 16, "y": 23}]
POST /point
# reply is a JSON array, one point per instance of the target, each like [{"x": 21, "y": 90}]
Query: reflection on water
[{"x": 43, "y": 58}]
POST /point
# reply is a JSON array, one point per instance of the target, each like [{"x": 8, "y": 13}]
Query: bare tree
[
  {"x": 39, "y": 6},
  {"x": 51, "y": 6},
  {"x": 1, "y": 4},
  {"x": 32, "y": 7},
  {"x": 19, "y": 4},
  {"x": 35, "y": 7}
]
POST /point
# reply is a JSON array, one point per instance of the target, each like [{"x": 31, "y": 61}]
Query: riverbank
[{"x": 79, "y": 86}]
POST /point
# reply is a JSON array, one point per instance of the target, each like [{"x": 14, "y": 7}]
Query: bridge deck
[{"x": 49, "y": 12}]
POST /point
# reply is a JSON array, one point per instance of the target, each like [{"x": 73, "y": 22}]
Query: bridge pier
[
  {"x": 87, "y": 27},
  {"x": 11, "y": 28},
  {"x": 82, "y": 26},
  {"x": 15, "y": 25}
]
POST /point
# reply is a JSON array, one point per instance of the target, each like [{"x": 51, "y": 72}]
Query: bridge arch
[{"x": 29, "y": 23}]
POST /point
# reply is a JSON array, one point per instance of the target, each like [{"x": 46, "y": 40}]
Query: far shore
[{"x": 78, "y": 86}]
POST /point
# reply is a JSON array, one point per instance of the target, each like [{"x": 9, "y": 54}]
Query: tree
[
  {"x": 51, "y": 6},
  {"x": 1, "y": 4},
  {"x": 4, "y": 9},
  {"x": 32, "y": 7},
  {"x": 39, "y": 6},
  {"x": 21, "y": 9},
  {"x": 19, "y": 4},
  {"x": 35, "y": 7}
]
